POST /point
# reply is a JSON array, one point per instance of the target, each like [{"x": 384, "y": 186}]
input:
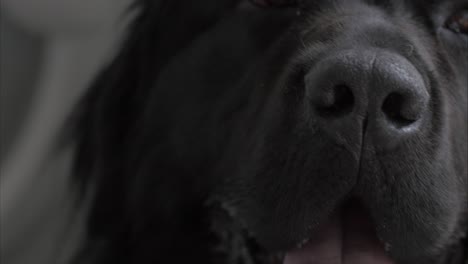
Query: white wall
[{"x": 50, "y": 51}]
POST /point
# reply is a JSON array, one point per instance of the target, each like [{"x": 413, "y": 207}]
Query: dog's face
[
  {"x": 326, "y": 131},
  {"x": 364, "y": 108}
]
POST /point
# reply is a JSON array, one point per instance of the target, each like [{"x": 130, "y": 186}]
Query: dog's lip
[{"x": 347, "y": 237}]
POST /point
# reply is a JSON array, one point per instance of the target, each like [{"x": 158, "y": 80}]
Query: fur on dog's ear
[{"x": 109, "y": 113}]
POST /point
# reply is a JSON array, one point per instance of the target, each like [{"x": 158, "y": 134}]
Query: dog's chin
[{"x": 348, "y": 236}]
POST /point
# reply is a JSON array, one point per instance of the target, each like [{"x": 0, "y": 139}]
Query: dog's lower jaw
[
  {"x": 235, "y": 245},
  {"x": 346, "y": 239}
]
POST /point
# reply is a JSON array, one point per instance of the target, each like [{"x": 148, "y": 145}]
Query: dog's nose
[{"x": 377, "y": 89}]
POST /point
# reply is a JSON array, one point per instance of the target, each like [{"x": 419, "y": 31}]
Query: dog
[{"x": 280, "y": 131}]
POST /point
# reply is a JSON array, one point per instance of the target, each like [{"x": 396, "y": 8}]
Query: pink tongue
[{"x": 350, "y": 242}]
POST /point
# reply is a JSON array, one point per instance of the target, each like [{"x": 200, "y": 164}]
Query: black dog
[{"x": 281, "y": 132}]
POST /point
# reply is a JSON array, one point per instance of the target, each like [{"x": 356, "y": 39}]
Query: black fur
[{"x": 195, "y": 144}]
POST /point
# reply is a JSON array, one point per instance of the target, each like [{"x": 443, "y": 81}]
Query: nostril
[
  {"x": 393, "y": 108},
  {"x": 337, "y": 102}
]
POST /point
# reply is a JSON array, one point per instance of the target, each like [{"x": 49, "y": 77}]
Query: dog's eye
[
  {"x": 274, "y": 3},
  {"x": 458, "y": 22}
]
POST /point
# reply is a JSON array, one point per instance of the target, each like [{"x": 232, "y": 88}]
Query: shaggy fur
[{"x": 197, "y": 144}]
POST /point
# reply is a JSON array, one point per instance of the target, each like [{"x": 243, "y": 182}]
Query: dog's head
[
  {"x": 326, "y": 131},
  {"x": 362, "y": 101}
]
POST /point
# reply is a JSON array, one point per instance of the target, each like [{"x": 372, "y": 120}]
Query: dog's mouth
[{"x": 348, "y": 236}]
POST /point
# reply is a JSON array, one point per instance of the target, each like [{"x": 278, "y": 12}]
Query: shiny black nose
[{"x": 373, "y": 90}]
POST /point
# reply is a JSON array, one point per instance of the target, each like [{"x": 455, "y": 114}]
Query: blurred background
[{"x": 50, "y": 50}]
